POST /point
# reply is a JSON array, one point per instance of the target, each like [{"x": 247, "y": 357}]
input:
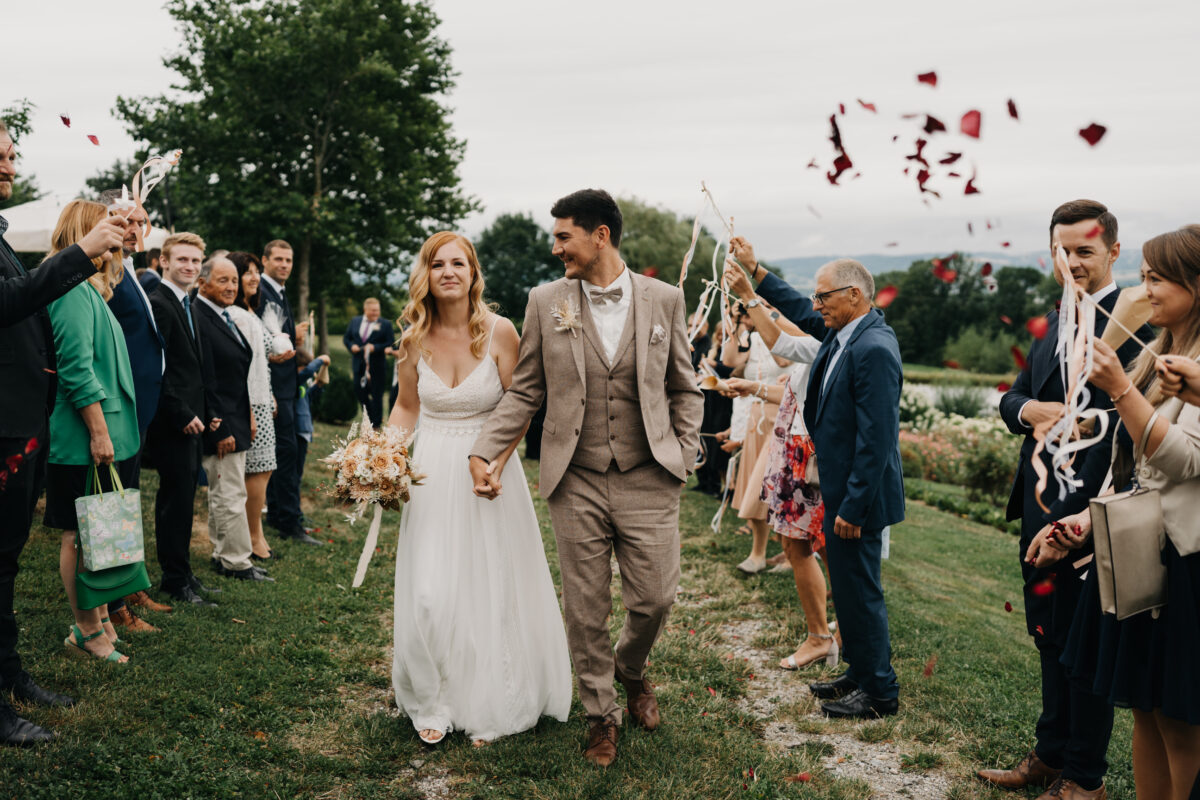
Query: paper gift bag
[{"x": 110, "y": 525}]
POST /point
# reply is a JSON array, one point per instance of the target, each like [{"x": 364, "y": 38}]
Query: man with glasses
[{"x": 852, "y": 409}]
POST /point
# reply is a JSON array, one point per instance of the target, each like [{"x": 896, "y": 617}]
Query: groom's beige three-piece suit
[{"x": 620, "y": 437}]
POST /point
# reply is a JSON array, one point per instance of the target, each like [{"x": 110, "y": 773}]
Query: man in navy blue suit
[
  {"x": 367, "y": 338},
  {"x": 852, "y": 409},
  {"x": 1074, "y": 727},
  {"x": 131, "y": 306}
]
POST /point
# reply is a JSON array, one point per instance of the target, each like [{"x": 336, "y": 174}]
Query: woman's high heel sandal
[
  {"x": 76, "y": 643},
  {"x": 831, "y": 656}
]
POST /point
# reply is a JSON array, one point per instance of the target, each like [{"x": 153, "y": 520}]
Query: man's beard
[{"x": 6, "y": 188}]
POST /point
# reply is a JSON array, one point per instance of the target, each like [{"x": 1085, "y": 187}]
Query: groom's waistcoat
[{"x": 612, "y": 429}]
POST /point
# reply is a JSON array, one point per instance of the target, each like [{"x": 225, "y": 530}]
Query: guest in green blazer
[{"x": 94, "y": 421}]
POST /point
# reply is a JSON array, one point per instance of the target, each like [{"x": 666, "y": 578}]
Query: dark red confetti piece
[
  {"x": 953, "y": 175},
  {"x": 970, "y": 123},
  {"x": 1008, "y": 606},
  {"x": 803, "y": 777},
  {"x": 1007, "y": 320},
  {"x": 1018, "y": 357},
  {"x": 14, "y": 462},
  {"x": 842, "y": 109},
  {"x": 970, "y": 229},
  {"x": 885, "y": 296},
  {"x": 1040, "y": 631},
  {"x": 929, "y": 665},
  {"x": 840, "y": 165},
  {"x": 986, "y": 269},
  {"x": 1044, "y": 587},
  {"x": 813, "y": 164},
  {"x": 989, "y": 224},
  {"x": 31, "y": 445},
  {"x": 950, "y": 158},
  {"x": 1038, "y": 327},
  {"x": 950, "y": 364},
  {"x": 66, "y": 119},
  {"x": 1093, "y": 133},
  {"x": 933, "y": 124},
  {"x": 1095, "y": 231},
  {"x": 650, "y": 272},
  {"x": 892, "y": 244},
  {"x": 918, "y": 156},
  {"x": 711, "y": 691},
  {"x": 94, "y": 139},
  {"x": 922, "y": 178},
  {"x": 868, "y": 106},
  {"x": 1012, "y": 109},
  {"x": 970, "y": 187},
  {"x": 1005, "y": 244},
  {"x": 928, "y": 77},
  {"x": 943, "y": 274},
  {"x": 1002, "y": 387}
]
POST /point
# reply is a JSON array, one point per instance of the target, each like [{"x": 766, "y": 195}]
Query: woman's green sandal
[
  {"x": 75, "y": 642},
  {"x": 107, "y": 621}
]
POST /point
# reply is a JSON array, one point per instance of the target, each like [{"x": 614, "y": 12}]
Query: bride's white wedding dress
[{"x": 479, "y": 640}]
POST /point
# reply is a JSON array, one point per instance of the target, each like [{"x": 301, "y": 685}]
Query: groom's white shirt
[{"x": 609, "y": 317}]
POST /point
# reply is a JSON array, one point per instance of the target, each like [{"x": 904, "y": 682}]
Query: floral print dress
[{"x": 794, "y": 509}]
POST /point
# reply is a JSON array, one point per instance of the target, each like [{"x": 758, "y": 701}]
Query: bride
[{"x": 479, "y": 641}]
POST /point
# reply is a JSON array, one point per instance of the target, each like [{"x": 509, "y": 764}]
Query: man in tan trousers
[{"x": 607, "y": 351}]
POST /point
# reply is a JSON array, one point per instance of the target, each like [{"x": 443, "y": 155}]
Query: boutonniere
[
  {"x": 657, "y": 335},
  {"x": 566, "y": 314}
]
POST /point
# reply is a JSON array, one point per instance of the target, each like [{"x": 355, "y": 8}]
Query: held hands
[
  {"x": 1180, "y": 377},
  {"x": 486, "y": 484},
  {"x": 109, "y": 234},
  {"x": 102, "y": 448},
  {"x": 846, "y": 530},
  {"x": 740, "y": 387},
  {"x": 194, "y": 427}
]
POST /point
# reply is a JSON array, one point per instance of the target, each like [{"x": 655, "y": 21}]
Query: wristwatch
[{"x": 754, "y": 303}]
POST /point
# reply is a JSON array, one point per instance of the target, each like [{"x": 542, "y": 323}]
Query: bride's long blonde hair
[{"x": 419, "y": 314}]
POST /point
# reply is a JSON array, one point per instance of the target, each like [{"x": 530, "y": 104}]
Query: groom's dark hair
[{"x": 589, "y": 209}]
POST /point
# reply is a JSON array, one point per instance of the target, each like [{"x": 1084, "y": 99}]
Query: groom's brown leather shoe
[
  {"x": 1070, "y": 790},
  {"x": 601, "y": 747},
  {"x": 1032, "y": 771},
  {"x": 643, "y": 705}
]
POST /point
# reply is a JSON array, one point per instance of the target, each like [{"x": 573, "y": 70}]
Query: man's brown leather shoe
[
  {"x": 1069, "y": 790},
  {"x": 1032, "y": 771},
  {"x": 643, "y": 705},
  {"x": 143, "y": 600},
  {"x": 601, "y": 747},
  {"x": 124, "y": 618}
]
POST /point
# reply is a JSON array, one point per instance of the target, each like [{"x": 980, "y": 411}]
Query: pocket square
[{"x": 657, "y": 335}]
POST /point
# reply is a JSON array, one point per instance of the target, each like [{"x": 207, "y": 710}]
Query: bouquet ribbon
[{"x": 364, "y": 560}]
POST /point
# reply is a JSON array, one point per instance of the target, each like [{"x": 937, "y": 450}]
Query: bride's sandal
[
  {"x": 76, "y": 643},
  {"x": 114, "y": 637},
  {"x": 831, "y": 655},
  {"x": 431, "y": 736}
]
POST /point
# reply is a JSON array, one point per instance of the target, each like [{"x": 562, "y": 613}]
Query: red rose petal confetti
[
  {"x": 840, "y": 165},
  {"x": 31, "y": 445},
  {"x": 1012, "y": 109},
  {"x": 970, "y": 229},
  {"x": 989, "y": 224},
  {"x": 1005, "y": 244},
  {"x": 1018, "y": 357},
  {"x": 803, "y": 777},
  {"x": 933, "y": 124},
  {"x": 1008, "y": 606},
  {"x": 813, "y": 164},
  {"x": 1096, "y": 231},
  {"x": 929, "y": 665},
  {"x": 14, "y": 462},
  {"x": 918, "y": 156},
  {"x": 949, "y": 364},
  {"x": 868, "y": 106},
  {"x": 950, "y": 158},
  {"x": 922, "y": 178},
  {"x": 1003, "y": 387},
  {"x": 842, "y": 109},
  {"x": 1044, "y": 587},
  {"x": 953, "y": 175},
  {"x": 650, "y": 272},
  {"x": 971, "y": 188},
  {"x": 928, "y": 77},
  {"x": 892, "y": 244},
  {"x": 1093, "y": 133},
  {"x": 1041, "y": 262},
  {"x": 66, "y": 119},
  {"x": 1040, "y": 631},
  {"x": 1038, "y": 327},
  {"x": 1007, "y": 320},
  {"x": 711, "y": 691},
  {"x": 970, "y": 123},
  {"x": 986, "y": 270},
  {"x": 691, "y": 631},
  {"x": 94, "y": 139},
  {"x": 941, "y": 273},
  {"x": 885, "y": 296}
]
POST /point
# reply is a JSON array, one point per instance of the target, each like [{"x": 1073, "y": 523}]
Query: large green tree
[
  {"x": 514, "y": 252},
  {"x": 321, "y": 122}
]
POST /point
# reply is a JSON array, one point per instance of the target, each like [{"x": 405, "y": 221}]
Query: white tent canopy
[{"x": 30, "y": 225}]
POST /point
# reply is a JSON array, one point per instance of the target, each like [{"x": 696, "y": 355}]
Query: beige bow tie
[{"x": 602, "y": 296}]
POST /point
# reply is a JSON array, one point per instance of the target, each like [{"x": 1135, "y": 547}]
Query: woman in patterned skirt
[{"x": 260, "y": 459}]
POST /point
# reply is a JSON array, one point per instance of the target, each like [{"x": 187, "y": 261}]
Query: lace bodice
[{"x": 472, "y": 400}]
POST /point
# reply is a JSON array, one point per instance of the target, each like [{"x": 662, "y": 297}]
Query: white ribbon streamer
[{"x": 364, "y": 560}]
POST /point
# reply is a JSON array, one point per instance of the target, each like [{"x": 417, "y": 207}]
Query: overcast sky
[{"x": 649, "y": 98}]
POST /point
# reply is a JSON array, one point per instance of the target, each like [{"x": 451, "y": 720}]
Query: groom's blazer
[{"x": 551, "y": 367}]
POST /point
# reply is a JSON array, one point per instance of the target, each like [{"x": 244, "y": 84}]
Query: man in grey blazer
[{"x": 607, "y": 350}]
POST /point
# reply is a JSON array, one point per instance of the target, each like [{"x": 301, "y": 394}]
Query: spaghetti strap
[{"x": 492, "y": 333}]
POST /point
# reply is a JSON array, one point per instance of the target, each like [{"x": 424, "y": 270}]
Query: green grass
[
  {"x": 284, "y": 691},
  {"x": 945, "y": 376}
]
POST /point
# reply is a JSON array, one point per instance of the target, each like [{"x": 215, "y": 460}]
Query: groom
[{"x": 607, "y": 351}]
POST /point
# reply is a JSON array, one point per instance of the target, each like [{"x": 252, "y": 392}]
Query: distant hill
[{"x": 801, "y": 271}]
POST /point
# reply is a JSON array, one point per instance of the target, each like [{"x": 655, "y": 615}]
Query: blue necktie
[
  {"x": 232, "y": 328},
  {"x": 187, "y": 309}
]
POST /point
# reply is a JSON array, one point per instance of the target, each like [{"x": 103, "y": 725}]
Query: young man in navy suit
[
  {"x": 1074, "y": 727},
  {"x": 852, "y": 409},
  {"x": 367, "y": 338}
]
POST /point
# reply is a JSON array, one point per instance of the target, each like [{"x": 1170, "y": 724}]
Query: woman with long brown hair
[
  {"x": 479, "y": 641},
  {"x": 1150, "y": 662},
  {"x": 94, "y": 423}
]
